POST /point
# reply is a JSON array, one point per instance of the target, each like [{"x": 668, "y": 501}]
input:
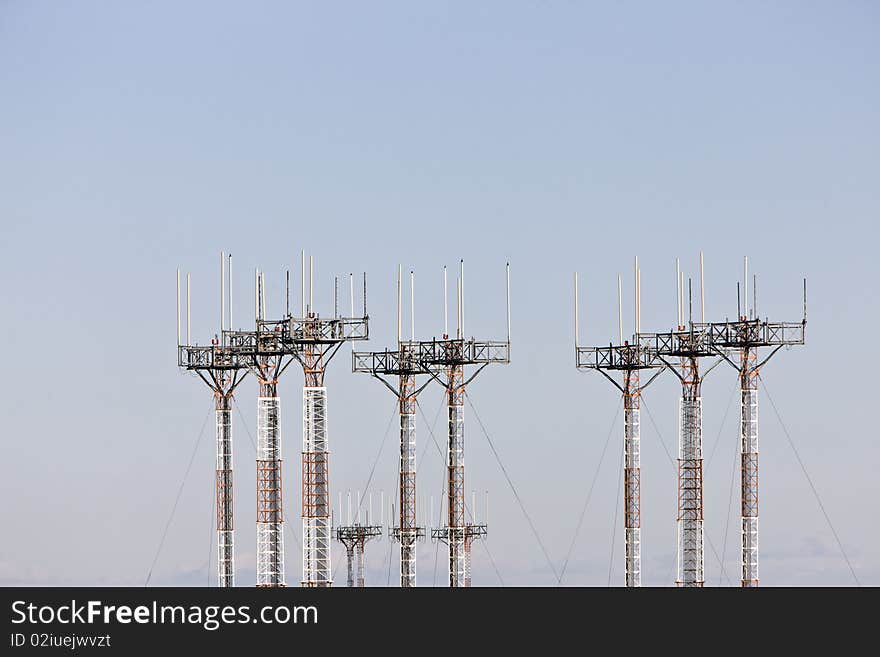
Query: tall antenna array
[
  {"x": 268, "y": 354},
  {"x": 453, "y": 355},
  {"x": 738, "y": 343},
  {"x": 316, "y": 340},
  {"x": 406, "y": 363},
  {"x": 688, "y": 343},
  {"x": 222, "y": 368},
  {"x": 629, "y": 358}
]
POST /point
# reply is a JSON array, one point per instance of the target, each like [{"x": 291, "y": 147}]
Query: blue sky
[{"x": 561, "y": 136}]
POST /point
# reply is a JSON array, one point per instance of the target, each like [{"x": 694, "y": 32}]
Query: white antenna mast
[
  {"x": 458, "y": 303},
  {"x": 445, "y": 305},
  {"x": 746, "y": 285},
  {"x": 508, "y": 305},
  {"x": 619, "y": 310},
  {"x": 302, "y": 283},
  {"x": 412, "y": 305},
  {"x": 262, "y": 295},
  {"x": 576, "y": 329},
  {"x": 222, "y": 291},
  {"x": 639, "y": 305},
  {"x": 702, "y": 292},
  {"x": 636, "y": 295},
  {"x": 187, "y": 310},
  {"x": 229, "y": 291},
  {"x": 399, "y": 293},
  {"x": 178, "y": 306},
  {"x": 678, "y": 292},
  {"x": 461, "y": 300},
  {"x": 311, "y": 284}
]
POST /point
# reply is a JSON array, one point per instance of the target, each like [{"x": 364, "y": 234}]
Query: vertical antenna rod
[
  {"x": 576, "y": 319},
  {"x": 178, "y": 306},
  {"x": 702, "y": 292},
  {"x": 678, "y": 293},
  {"x": 445, "y": 306},
  {"x": 229, "y": 288},
  {"x": 508, "y": 303},
  {"x": 188, "y": 341},
  {"x": 222, "y": 292}
]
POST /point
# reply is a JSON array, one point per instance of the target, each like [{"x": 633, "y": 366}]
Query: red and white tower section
[
  {"x": 317, "y": 340},
  {"x": 222, "y": 368}
]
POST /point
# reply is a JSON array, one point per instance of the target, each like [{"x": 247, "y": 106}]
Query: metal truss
[
  {"x": 270, "y": 512},
  {"x": 690, "y": 478},
  {"x": 224, "y": 491},
  {"x": 688, "y": 345},
  {"x": 453, "y": 355},
  {"x": 316, "y": 340},
  {"x": 354, "y": 538},
  {"x": 629, "y": 359},
  {"x": 738, "y": 343},
  {"x": 406, "y": 364},
  {"x": 222, "y": 368},
  {"x": 461, "y": 538},
  {"x": 315, "y": 489}
]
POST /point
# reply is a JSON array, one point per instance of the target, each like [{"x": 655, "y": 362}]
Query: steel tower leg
[
  {"x": 223, "y": 484},
  {"x": 690, "y": 478},
  {"x": 349, "y": 557},
  {"x": 632, "y": 478},
  {"x": 458, "y": 566},
  {"x": 749, "y": 465},
  {"x": 316, "y": 489},
  {"x": 359, "y": 553},
  {"x": 407, "y": 481},
  {"x": 270, "y": 523}
]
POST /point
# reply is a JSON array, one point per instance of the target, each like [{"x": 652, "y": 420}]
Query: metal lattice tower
[
  {"x": 317, "y": 339},
  {"x": 354, "y": 538},
  {"x": 738, "y": 343},
  {"x": 269, "y": 355},
  {"x": 406, "y": 364},
  {"x": 222, "y": 368},
  {"x": 688, "y": 343},
  {"x": 628, "y": 358},
  {"x": 452, "y": 355}
]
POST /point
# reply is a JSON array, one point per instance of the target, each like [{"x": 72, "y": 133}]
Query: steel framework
[
  {"x": 269, "y": 355},
  {"x": 688, "y": 345},
  {"x": 406, "y": 364},
  {"x": 316, "y": 340},
  {"x": 453, "y": 355},
  {"x": 630, "y": 360},
  {"x": 738, "y": 344},
  {"x": 222, "y": 368},
  {"x": 354, "y": 538}
]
